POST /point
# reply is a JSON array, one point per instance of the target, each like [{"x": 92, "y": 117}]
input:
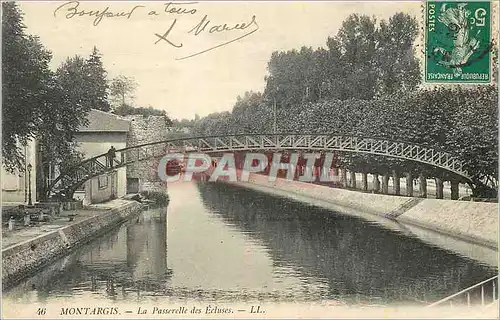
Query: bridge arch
[{"x": 67, "y": 182}]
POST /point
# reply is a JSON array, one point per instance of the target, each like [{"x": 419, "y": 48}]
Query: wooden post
[
  {"x": 439, "y": 188},
  {"x": 454, "y": 190},
  {"x": 396, "y": 187},
  {"x": 422, "y": 186},
  {"x": 409, "y": 184}
]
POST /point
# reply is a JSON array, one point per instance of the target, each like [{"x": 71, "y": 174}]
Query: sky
[{"x": 142, "y": 41}]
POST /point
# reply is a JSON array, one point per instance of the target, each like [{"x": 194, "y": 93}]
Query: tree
[
  {"x": 397, "y": 66},
  {"x": 38, "y": 103},
  {"x": 294, "y": 77},
  {"x": 213, "y": 124},
  {"x": 72, "y": 84},
  {"x": 97, "y": 85},
  {"x": 183, "y": 123},
  {"x": 122, "y": 88},
  {"x": 25, "y": 77},
  {"x": 245, "y": 115},
  {"x": 362, "y": 60},
  {"x": 67, "y": 105},
  {"x": 365, "y": 84},
  {"x": 356, "y": 43}
]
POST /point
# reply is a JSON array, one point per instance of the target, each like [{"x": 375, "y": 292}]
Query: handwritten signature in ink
[{"x": 205, "y": 26}]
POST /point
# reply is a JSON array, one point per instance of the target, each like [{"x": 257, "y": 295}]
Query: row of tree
[
  {"x": 366, "y": 83},
  {"x": 38, "y": 102},
  {"x": 363, "y": 60}
]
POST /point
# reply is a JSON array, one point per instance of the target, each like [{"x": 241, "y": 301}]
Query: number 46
[{"x": 479, "y": 17}]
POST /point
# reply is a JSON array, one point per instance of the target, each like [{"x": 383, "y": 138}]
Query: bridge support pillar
[
  {"x": 335, "y": 174},
  {"x": 385, "y": 183},
  {"x": 376, "y": 183},
  {"x": 364, "y": 181},
  {"x": 422, "y": 186},
  {"x": 353, "y": 179},
  {"x": 439, "y": 189},
  {"x": 454, "y": 190},
  {"x": 409, "y": 184},
  {"x": 396, "y": 186},
  {"x": 343, "y": 177}
]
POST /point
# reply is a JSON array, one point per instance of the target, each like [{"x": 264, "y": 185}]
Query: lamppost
[
  {"x": 25, "y": 180},
  {"x": 25, "y": 188},
  {"x": 29, "y": 184},
  {"x": 275, "y": 110}
]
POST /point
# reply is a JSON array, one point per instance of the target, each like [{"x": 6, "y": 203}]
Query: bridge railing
[
  {"x": 214, "y": 144},
  {"x": 484, "y": 293}
]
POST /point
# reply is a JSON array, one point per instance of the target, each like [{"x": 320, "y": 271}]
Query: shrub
[{"x": 160, "y": 198}]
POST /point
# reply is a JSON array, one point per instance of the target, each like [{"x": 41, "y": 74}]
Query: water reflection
[
  {"x": 359, "y": 260},
  {"x": 132, "y": 259},
  {"x": 227, "y": 243}
]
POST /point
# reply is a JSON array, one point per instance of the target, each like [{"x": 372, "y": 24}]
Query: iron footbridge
[{"x": 68, "y": 181}]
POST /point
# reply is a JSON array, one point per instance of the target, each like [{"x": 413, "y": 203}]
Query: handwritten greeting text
[{"x": 204, "y": 26}]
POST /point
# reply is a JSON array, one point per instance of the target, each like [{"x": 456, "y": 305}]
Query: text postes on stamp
[{"x": 458, "y": 42}]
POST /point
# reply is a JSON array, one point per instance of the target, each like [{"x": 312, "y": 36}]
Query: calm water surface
[{"x": 216, "y": 242}]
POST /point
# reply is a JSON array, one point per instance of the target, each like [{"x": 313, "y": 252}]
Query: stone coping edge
[
  {"x": 468, "y": 238},
  {"x": 116, "y": 216}
]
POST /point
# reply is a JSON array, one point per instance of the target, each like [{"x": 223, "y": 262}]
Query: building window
[{"x": 102, "y": 182}]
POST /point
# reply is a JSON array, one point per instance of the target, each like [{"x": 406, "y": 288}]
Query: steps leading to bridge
[{"x": 403, "y": 208}]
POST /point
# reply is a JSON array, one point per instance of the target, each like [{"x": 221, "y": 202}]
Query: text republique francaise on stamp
[{"x": 458, "y": 42}]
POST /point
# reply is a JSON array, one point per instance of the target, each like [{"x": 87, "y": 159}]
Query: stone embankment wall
[
  {"x": 476, "y": 222},
  {"x": 22, "y": 259},
  {"x": 145, "y": 130}
]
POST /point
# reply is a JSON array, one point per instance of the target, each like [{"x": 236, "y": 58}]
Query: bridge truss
[{"x": 67, "y": 182}]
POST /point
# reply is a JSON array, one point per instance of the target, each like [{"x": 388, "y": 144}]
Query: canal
[{"x": 219, "y": 242}]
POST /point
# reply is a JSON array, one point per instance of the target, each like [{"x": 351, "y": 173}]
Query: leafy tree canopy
[{"x": 365, "y": 83}]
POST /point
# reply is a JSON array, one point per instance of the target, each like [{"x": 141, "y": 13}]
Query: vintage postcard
[{"x": 249, "y": 159}]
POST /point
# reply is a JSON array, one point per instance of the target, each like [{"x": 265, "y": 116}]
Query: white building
[{"x": 103, "y": 131}]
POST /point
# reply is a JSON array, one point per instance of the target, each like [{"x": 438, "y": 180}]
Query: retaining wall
[
  {"x": 145, "y": 129},
  {"x": 476, "y": 222},
  {"x": 22, "y": 259}
]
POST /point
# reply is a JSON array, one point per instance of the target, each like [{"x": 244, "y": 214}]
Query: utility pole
[{"x": 274, "y": 112}]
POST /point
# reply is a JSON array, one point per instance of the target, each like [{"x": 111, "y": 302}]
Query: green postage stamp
[{"x": 458, "y": 42}]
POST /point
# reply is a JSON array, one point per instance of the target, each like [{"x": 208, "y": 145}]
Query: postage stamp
[
  {"x": 249, "y": 159},
  {"x": 458, "y": 42}
]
